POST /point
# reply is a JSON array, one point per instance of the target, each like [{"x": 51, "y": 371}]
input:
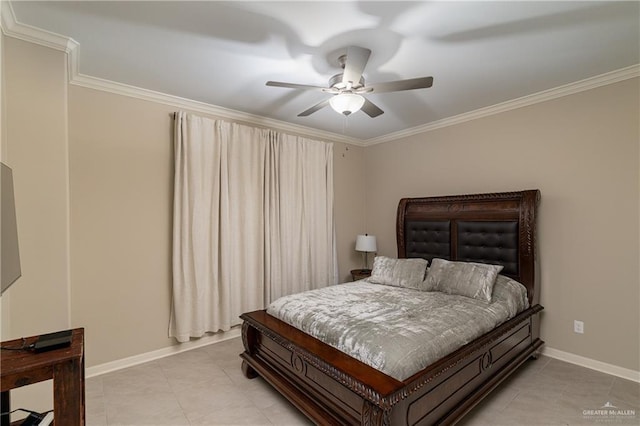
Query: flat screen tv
[{"x": 10, "y": 265}]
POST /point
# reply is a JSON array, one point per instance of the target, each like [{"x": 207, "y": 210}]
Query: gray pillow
[
  {"x": 462, "y": 278},
  {"x": 398, "y": 272}
]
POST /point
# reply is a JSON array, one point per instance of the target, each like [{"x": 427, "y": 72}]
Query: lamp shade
[
  {"x": 366, "y": 243},
  {"x": 346, "y": 103}
]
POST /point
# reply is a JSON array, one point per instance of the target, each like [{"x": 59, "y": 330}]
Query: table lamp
[{"x": 367, "y": 244}]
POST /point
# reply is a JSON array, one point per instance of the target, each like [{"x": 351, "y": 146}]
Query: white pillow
[
  {"x": 462, "y": 278},
  {"x": 398, "y": 272}
]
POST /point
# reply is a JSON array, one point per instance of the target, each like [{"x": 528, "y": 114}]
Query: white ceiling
[{"x": 222, "y": 53}]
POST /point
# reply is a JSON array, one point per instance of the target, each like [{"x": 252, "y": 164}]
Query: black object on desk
[{"x": 51, "y": 341}]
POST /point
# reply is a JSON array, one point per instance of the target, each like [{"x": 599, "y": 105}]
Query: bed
[{"x": 331, "y": 387}]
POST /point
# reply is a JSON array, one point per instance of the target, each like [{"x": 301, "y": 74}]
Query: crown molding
[
  {"x": 205, "y": 108},
  {"x": 11, "y": 27},
  {"x": 535, "y": 98}
]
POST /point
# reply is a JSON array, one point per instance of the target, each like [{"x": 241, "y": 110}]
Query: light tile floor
[{"x": 206, "y": 387}]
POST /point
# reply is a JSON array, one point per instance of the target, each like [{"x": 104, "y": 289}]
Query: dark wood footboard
[{"x": 331, "y": 387}]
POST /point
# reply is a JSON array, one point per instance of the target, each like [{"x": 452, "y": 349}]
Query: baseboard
[
  {"x": 119, "y": 364},
  {"x": 600, "y": 366},
  {"x": 109, "y": 367}
]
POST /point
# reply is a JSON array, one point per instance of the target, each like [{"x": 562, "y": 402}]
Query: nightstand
[{"x": 358, "y": 274}]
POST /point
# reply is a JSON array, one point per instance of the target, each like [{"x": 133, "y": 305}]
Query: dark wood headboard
[{"x": 497, "y": 228}]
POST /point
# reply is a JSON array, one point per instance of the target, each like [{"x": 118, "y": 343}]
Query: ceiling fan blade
[
  {"x": 396, "y": 86},
  {"x": 357, "y": 58},
  {"x": 371, "y": 109},
  {"x": 294, "y": 85},
  {"x": 314, "y": 108}
]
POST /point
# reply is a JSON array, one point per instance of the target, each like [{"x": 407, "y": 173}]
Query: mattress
[{"x": 396, "y": 330}]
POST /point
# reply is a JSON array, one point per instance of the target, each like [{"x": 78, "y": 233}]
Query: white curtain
[
  {"x": 253, "y": 220},
  {"x": 301, "y": 253}
]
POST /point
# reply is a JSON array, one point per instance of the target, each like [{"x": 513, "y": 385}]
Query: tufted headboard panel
[
  {"x": 496, "y": 228},
  {"x": 428, "y": 239}
]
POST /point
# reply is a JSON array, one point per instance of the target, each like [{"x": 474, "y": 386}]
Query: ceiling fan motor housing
[{"x": 337, "y": 83}]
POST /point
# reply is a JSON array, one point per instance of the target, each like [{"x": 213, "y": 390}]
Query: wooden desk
[{"x": 65, "y": 366}]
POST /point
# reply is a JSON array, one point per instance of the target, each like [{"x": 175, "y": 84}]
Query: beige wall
[
  {"x": 121, "y": 160},
  {"x": 349, "y": 193},
  {"x": 36, "y": 133},
  {"x": 35, "y": 146},
  {"x": 110, "y": 178},
  {"x": 581, "y": 151}
]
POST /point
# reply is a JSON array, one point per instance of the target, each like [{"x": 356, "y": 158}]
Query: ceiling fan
[{"x": 348, "y": 87}]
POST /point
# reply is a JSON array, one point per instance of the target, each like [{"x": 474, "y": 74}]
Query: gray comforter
[{"x": 398, "y": 331}]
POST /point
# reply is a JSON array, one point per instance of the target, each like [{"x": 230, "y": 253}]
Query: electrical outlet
[{"x": 578, "y": 327}]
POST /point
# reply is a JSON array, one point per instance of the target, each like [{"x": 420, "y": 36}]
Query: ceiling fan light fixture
[{"x": 346, "y": 103}]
